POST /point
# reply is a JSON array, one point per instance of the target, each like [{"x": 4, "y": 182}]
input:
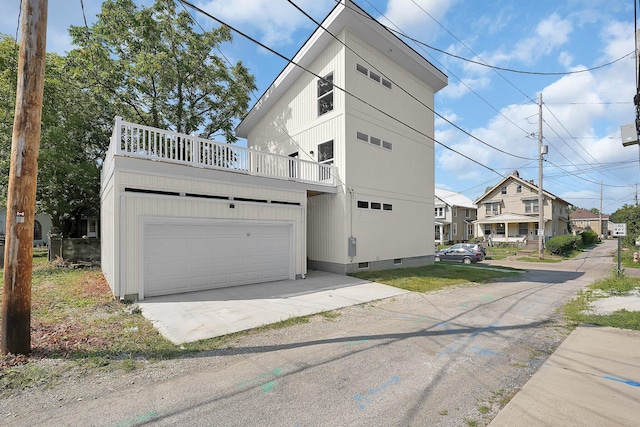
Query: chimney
[
  {"x": 531, "y": 181},
  {"x": 516, "y": 174}
]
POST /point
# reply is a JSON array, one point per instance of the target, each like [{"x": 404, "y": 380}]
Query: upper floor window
[
  {"x": 492, "y": 208},
  {"x": 519, "y": 188},
  {"x": 325, "y": 94},
  {"x": 373, "y": 76},
  {"x": 455, "y": 212},
  {"x": 374, "y": 140},
  {"x": 467, "y": 213},
  {"x": 325, "y": 152},
  {"x": 439, "y": 212},
  {"x": 503, "y": 190},
  {"x": 531, "y": 206}
]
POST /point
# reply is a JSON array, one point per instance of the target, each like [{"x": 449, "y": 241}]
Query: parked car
[
  {"x": 459, "y": 254},
  {"x": 473, "y": 247}
]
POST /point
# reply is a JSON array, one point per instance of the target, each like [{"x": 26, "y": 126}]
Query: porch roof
[{"x": 508, "y": 217}]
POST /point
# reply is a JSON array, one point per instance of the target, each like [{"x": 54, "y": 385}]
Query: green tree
[
  {"x": 151, "y": 61},
  {"x": 75, "y": 135},
  {"x": 630, "y": 215}
]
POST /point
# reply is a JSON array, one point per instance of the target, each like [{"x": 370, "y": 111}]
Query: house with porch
[
  {"x": 582, "y": 219},
  {"x": 454, "y": 216},
  {"x": 509, "y": 212},
  {"x": 338, "y": 175}
]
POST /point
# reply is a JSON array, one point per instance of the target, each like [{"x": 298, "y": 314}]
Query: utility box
[
  {"x": 351, "y": 248},
  {"x": 629, "y": 134}
]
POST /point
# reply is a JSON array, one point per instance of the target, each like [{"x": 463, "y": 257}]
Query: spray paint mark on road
[
  {"x": 458, "y": 343},
  {"x": 627, "y": 382},
  {"x": 137, "y": 420},
  {"x": 363, "y": 399},
  {"x": 266, "y": 387},
  {"x": 360, "y": 341}
]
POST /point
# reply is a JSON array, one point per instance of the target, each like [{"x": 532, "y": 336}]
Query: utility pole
[
  {"x": 601, "y": 231},
  {"x": 21, "y": 197},
  {"x": 540, "y": 193}
]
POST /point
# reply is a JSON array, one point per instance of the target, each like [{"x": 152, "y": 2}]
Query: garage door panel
[{"x": 183, "y": 257}]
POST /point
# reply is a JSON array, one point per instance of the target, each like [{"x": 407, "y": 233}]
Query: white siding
[{"x": 109, "y": 233}]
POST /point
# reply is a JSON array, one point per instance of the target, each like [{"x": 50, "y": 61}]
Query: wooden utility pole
[
  {"x": 21, "y": 198},
  {"x": 540, "y": 191}
]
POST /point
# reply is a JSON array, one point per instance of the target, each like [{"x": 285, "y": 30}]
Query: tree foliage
[
  {"x": 164, "y": 74},
  {"x": 630, "y": 215}
]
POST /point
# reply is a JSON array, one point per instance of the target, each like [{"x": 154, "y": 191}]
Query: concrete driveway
[{"x": 196, "y": 316}]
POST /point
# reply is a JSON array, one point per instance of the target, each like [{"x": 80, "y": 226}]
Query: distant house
[
  {"x": 41, "y": 226},
  {"x": 338, "y": 175},
  {"x": 582, "y": 219},
  {"x": 454, "y": 216},
  {"x": 509, "y": 212}
]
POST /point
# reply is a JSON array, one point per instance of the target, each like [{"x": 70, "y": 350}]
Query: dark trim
[{"x": 144, "y": 191}]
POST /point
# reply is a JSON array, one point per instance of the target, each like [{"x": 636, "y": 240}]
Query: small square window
[
  {"x": 376, "y": 205},
  {"x": 362, "y": 136},
  {"x": 362, "y": 69},
  {"x": 397, "y": 261},
  {"x": 375, "y": 141},
  {"x": 386, "y": 83},
  {"x": 363, "y": 265},
  {"x": 387, "y": 207},
  {"x": 363, "y": 205},
  {"x": 325, "y": 152},
  {"x": 374, "y": 76},
  {"x": 387, "y": 145}
]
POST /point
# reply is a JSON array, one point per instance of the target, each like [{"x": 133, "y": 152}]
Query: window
[
  {"x": 439, "y": 212},
  {"x": 397, "y": 261},
  {"x": 325, "y": 152},
  {"x": 37, "y": 230},
  {"x": 361, "y": 136},
  {"x": 492, "y": 208},
  {"x": 467, "y": 213},
  {"x": 375, "y": 206},
  {"x": 500, "y": 229},
  {"x": 519, "y": 188},
  {"x": 487, "y": 229},
  {"x": 363, "y": 265},
  {"x": 523, "y": 228},
  {"x": 503, "y": 190},
  {"x": 325, "y": 94},
  {"x": 469, "y": 230},
  {"x": 531, "y": 206},
  {"x": 455, "y": 212},
  {"x": 455, "y": 228},
  {"x": 373, "y": 76}
]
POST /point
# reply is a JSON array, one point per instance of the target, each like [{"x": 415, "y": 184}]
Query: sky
[{"x": 488, "y": 113}]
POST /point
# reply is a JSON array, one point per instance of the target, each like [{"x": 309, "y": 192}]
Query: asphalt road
[{"x": 446, "y": 358}]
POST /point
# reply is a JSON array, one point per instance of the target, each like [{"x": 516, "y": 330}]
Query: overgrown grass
[
  {"x": 437, "y": 276},
  {"x": 577, "y": 311}
]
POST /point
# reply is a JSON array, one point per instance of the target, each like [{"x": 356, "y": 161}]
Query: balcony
[{"x": 144, "y": 142}]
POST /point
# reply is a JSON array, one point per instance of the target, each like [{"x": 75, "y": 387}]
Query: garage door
[{"x": 186, "y": 257}]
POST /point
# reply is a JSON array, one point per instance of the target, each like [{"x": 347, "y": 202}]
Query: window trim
[
  {"x": 374, "y": 140},
  {"x": 375, "y": 76},
  {"x": 328, "y": 94}
]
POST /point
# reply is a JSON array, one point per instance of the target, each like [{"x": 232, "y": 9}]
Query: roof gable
[
  {"x": 454, "y": 199},
  {"x": 515, "y": 177},
  {"x": 346, "y": 14}
]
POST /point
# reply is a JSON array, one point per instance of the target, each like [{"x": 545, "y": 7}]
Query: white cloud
[
  {"x": 412, "y": 16},
  {"x": 275, "y": 24}
]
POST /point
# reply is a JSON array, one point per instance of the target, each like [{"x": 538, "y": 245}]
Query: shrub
[
  {"x": 562, "y": 245},
  {"x": 589, "y": 237}
]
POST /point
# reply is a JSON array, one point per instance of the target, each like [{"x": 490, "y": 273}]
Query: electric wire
[{"x": 290, "y": 61}]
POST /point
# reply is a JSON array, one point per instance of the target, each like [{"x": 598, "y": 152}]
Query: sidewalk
[{"x": 592, "y": 379}]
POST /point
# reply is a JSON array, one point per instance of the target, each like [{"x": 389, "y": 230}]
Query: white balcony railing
[{"x": 130, "y": 139}]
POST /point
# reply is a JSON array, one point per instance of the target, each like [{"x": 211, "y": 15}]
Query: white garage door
[{"x": 185, "y": 257}]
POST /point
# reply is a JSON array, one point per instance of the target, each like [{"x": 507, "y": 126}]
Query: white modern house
[
  {"x": 338, "y": 175},
  {"x": 454, "y": 216}
]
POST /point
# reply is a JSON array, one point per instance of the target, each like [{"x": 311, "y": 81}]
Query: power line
[{"x": 290, "y": 61}]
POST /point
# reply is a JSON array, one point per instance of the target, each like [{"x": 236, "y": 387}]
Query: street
[{"x": 446, "y": 358}]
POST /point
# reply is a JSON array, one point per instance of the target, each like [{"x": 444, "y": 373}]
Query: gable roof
[
  {"x": 346, "y": 14},
  {"x": 582, "y": 214},
  {"x": 515, "y": 176},
  {"x": 454, "y": 199}
]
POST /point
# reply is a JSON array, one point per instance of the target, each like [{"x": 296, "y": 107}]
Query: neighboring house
[
  {"x": 509, "y": 212},
  {"x": 454, "y": 216},
  {"x": 338, "y": 175},
  {"x": 582, "y": 219},
  {"x": 41, "y": 227}
]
